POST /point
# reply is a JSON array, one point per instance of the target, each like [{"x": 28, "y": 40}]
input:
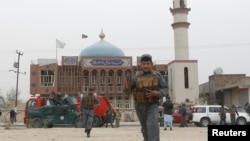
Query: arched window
[
  {"x": 94, "y": 76},
  {"x": 85, "y": 80},
  {"x": 119, "y": 77},
  {"x": 111, "y": 77},
  {"x": 77, "y": 79},
  {"x": 128, "y": 74},
  {"x": 186, "y": 79},
  {"x": 102, "y": 77}
]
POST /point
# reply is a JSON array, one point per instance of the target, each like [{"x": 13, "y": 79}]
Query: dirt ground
[{"x": 126, "y": 132}]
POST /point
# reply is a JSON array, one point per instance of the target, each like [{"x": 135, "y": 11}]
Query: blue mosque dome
[{"x": 102, "y": 48}]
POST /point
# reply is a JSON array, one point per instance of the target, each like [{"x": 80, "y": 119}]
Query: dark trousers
[
  {"x": 147, "y": 115},
  {"x": 109, "y": 120},
  {"x": 232, "y": 117},
  {"x": 223, "y": 121},
  {"x": 183, "y": 122}
]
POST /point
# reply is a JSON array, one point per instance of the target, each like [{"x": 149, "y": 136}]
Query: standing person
[
  {"x": 168, "y": 112},
  {"x": 118, "y": 116},
  {"x": 89, "y": 101},
  {"x": 147, "y": 87},
  {"x": 160, "y": 117},
  {"x": 12, "y": 116},
  {"x": 247, "y": 106},
  {"x": 222, "y": 115},
  {"x": 233, "y": 113},
  {"x": 0, "y": 112},
  {"x": 109, "y": 117},
  {"x": 183, "y": 113}
]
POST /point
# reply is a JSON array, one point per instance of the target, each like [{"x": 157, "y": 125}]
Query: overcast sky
[{"x": 219, "y": 34}]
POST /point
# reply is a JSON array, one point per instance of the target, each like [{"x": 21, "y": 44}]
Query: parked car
[{"x": 203, "y": 115}]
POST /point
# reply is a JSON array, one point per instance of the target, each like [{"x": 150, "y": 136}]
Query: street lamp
[{"x": 16, "y": 65}]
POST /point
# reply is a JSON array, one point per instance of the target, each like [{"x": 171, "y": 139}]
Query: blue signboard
[{"x": 107, "y": 62}]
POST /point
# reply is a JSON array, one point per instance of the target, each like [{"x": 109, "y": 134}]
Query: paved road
[{"x": 128, "y": 131}]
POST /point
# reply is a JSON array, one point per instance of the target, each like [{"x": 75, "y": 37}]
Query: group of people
[
  {"x": 166, "y": 116},
  {"x": 111, "y": 116},
  {"x": 223, "y": 116},
  {"x": 147, "y": 87}
]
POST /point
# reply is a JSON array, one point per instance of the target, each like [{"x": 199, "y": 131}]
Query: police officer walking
[
  {"x": 147, "y": 87},
  {"x": 222, "y": 115},
  {"x": 109, "y": 117},
  {"x": 89, "y": 101},
  {"x": 233, "y": 113}
]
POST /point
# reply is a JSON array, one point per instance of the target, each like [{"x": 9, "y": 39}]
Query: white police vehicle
[{"x": 203, "y": 115}]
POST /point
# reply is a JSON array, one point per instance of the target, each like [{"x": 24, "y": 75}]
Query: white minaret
[
  {"x": 182, "y": 72},
  {"x": 180, "y": 27}
]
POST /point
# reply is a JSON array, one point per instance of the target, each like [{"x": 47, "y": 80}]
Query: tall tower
[
  {"x": 182, "y": 72},
  {"x": 180, "y": 27}
]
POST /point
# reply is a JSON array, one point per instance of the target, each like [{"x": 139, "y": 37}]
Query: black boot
[{"x": 88, "y": 133}]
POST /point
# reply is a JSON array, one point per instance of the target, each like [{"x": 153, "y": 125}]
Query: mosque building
[
  {"x": 101, "y": 65},
  {"x": 106, "y": 67}
]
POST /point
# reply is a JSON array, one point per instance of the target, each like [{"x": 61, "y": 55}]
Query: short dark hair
[{"x": 146, "y": 57}]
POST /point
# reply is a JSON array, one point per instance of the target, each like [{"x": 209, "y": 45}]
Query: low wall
[
  {"x": 128, "y": 115},
  {"x": 6, "y": 115}
]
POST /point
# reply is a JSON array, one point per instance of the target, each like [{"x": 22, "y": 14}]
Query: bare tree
[
  {"x": 2, "y": 102},
  {"x": 11, "y": 95}
]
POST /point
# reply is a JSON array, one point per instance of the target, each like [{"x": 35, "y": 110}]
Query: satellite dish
[{"x": 218, "y": 70}]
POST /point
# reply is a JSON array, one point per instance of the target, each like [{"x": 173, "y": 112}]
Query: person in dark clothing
[
  {"x": 222, "y": 115},
  {"x": 168, "y": 111},
  {"x": 247, "y": 106},
  {"x": 12, "y": 116},
  {"x": 233, "y": 113},
  {"x": 109, "y": 118},
  {"x": 88, "y": 103},
  {"x": 183, "y": 113},
  {"x": 160, "y": 117},
  {"x": 147, "y": 87}
]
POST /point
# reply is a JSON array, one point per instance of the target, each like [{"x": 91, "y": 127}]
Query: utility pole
[{"x": 17, "y": 65}]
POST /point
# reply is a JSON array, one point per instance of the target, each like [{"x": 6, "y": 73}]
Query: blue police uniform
[{"x": 147, "y": 108}]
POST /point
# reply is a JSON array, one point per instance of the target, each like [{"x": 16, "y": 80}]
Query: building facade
[
  {"x": 101, "y": 65},
  {"x": 227, "y": 89}
]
